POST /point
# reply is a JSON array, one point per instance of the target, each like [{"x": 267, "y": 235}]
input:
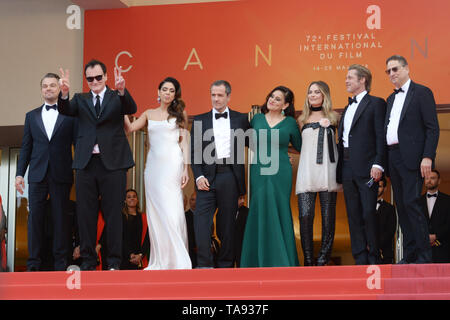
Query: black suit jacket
[
  {"x": 40, "y": 153},
  {"x": 107, "y": 130},
  {"x": 439, "y": 224},
  {"x": 366, "y": 137},
  {"x": 387, "y": 225},
  {"x": 200, "y": 142},
  {"x": 418, "y": 130}
]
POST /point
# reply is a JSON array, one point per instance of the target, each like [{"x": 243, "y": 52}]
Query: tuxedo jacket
[
  {"x": 418, "y": 129},
  {"x": 107, "y": 130},
  {"x": 366, "y": 137},
  {"x": 201, "y": 142},
  {"x": 439, "y": 224},
  {"x": 387, "y": 225},
  {"x": 40, "y": 153}
]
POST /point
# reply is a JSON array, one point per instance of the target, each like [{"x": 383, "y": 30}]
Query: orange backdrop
[{"x": 259, "y": 44}]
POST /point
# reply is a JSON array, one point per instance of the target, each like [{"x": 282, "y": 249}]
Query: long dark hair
[
  {"x": 177, "y": 106},
  {"x": 125, "y": 210},
  {"x": 288, "y": 98}
]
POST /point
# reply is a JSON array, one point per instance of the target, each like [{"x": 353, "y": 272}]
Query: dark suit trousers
[
  {"x": 361, "y": 201},
  {"x": 91, "y": 182},
  {"x": 223, "y": 195},
  {"x": 407, "y": 185},
  {"x": 59, "y": 200}
]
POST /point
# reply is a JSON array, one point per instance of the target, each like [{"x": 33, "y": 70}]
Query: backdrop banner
[{"x": 259, "y": 44}]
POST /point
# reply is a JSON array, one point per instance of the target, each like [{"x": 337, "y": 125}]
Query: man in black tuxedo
[
  {"x": 241, "y": 220},
  {"x": 412, "y": 135},
  {"x": 189, "y": 214},
  {"x": 386, "y": 225},
  {"x": 217, "y": 161},
  {"x": 361, "y": 161},
  {"x": 102, "y": 158},
  {"x": 436, "y": 209},
  {"x": 47, "y": 153}
]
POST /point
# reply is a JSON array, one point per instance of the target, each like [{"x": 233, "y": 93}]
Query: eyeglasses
[
  {"x": 393, "y": 69},
  {"x": 98, "y": 78}
]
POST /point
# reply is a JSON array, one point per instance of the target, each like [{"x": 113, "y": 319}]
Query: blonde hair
[{"x": 327, "y": 105}]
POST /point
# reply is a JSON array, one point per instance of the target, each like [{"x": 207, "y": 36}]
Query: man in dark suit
[
  {"x": 436, "y": 209},
  {"x": 386, "y": 225},
  {"x": 361, "y": 161},
  {"x": 47, "y": 151},
  {"x": 412, "y": 135},
  {"x": 217, "y": 161},
  {"x": 102, "y": 158},
  {"x": 241, "y": 220},
  {"x": 189, "y": 214}
]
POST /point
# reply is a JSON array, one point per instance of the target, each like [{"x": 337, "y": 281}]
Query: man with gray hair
[{"x": 219, "y": 175}]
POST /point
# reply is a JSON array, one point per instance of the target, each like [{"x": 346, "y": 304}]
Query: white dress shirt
[
  {"x": 49, "y": 118},
  {"x": 394, "y": 117},
  {"x": 430, "y": 202},
  {"x": 96, "y": 149},
  {"x": 222, "y": 134},
  {"x": 348, "y": 118}
]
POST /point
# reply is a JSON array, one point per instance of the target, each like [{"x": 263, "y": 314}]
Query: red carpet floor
[{"x": 385, "y": 282}]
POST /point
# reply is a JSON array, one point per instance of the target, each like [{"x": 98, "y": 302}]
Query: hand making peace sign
[
  {"x": 64, "y": 83},
  {"x": 119, "y": 81}
]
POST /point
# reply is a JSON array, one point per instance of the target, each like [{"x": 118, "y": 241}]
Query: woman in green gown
[{"x": 269, "y": 239}]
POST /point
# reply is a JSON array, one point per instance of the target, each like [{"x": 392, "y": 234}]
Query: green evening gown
[{"x": 269, "y": 239}]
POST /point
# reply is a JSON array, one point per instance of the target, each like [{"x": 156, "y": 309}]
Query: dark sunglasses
[
  {"x": 98, "y": 78},
  {"x": 394, "y": 69}
]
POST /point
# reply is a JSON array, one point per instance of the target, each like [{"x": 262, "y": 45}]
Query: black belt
[
  {"x": 220, "y": 168},
  {"x": 393, "y": 146}
]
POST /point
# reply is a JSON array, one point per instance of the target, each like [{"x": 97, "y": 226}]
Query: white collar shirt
[{"x": 394, "y": 117}]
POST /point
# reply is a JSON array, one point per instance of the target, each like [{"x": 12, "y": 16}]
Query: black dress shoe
[
  {"x": 403, "y": 261},
  {"x": 32, "y": 269},
  {"x": 87, "y": 268}
]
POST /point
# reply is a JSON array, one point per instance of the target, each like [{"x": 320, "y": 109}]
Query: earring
[
  {"x": 282, "y": 112},
  {"x": 159, "y": 99}
]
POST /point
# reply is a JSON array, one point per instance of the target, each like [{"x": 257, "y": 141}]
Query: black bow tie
[
  {"x": 351, "y": 100},
  {"x": 431, "y": 195},
  {"x": 398, "y": 90},
  {"x": 50, "y": 107},
  {"x": 380, "y": 201},
  {"x": 222, "y": 115}
]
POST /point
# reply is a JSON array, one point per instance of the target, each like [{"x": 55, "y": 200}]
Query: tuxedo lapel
[
  {"x": 233, "y": 120},
  {"x": 435, "y": 211},
  {"x": 88, "y": 99},
  {"x": 341, "y": 125},
  {"x": 409, "y": 96},
  {"x": 390, "y": 103},
  {"x": 207, "y": 122},
  {"x": 39, "y": 121},
  {"x": 106, "y": 98},
  {"x": 361, "y": 107},
  {"x": 59, "y": 120}
]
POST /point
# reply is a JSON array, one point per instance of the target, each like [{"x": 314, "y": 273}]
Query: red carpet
[{"x": 331, "y": 283}]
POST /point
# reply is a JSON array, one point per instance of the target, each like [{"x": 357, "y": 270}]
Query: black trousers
[
  {"x": 223, "y": 196},
  {"x": 407, "y": 185},
  {"x": 94, "y": 183},
  {"x": 38, "y": 204},
  {"x": 361, "y": 201}
]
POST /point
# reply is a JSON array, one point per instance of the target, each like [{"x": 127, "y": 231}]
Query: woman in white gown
[{"x": 166, "y": 173}]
